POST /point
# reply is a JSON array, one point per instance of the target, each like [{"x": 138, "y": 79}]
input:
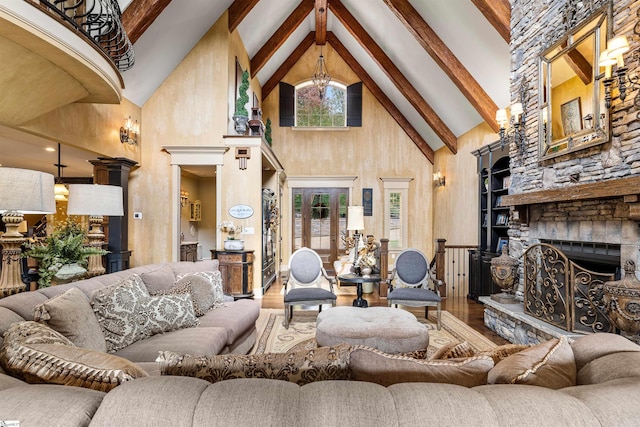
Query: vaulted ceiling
[{"x": 439, "y": 67}]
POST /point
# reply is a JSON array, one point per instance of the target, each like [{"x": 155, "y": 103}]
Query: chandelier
[{"x": 321, "y": 77}]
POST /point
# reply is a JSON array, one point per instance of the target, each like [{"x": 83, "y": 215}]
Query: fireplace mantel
[{"x": 629, "y": 188}]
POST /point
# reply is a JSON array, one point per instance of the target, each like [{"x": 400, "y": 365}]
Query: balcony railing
[{"x": 99, "y": 21}]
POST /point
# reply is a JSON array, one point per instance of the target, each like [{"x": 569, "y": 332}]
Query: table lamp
[
  {"x": 355, "y": 222},
  {"x": 96, "y": 201},
  {"x": 22, "y": 191}
]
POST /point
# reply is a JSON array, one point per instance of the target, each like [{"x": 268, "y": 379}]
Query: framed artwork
[
  {"x": 501, "y": 219},
  {"x": 501, "y": 242},
  {"x": 367, "y": 201},
  {"x": 571, "y": 116}
]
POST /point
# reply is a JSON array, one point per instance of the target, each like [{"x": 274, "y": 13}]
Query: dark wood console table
[{"x": 236, "y": 268}]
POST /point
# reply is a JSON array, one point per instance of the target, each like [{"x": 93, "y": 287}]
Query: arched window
[{"x": 313, "y": 110}]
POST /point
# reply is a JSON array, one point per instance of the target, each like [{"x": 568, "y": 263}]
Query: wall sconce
[
  {"x": 613, "y": 56},
  {"x": 129, "y": 132},
  {"x": 438, "y": 179},
  {"x": 242, "y": 154},
  {"x": 184, "y": 198},
  {"x": 516, "y": 133}
]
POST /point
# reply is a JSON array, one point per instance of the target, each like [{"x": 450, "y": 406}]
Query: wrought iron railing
[{"x": 99, "y": 21}]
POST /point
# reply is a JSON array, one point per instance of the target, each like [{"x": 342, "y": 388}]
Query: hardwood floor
[{"x": 464, "y": 309}]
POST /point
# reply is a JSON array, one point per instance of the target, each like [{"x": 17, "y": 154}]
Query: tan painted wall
[{"x": 380, "y": 148}]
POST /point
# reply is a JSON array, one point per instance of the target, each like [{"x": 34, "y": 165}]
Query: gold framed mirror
[{"x": 572, "y": 113}]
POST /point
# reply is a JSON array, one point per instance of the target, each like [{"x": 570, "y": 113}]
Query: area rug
[{"x": 274, "y": 338}]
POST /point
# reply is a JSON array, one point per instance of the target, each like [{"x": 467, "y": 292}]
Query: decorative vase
[
  {"x": 365, "y": 271},
  {"x": 622, "y": 302},
  {"x": 233, "y": 245},
  {"x": 504, "y": 270}
]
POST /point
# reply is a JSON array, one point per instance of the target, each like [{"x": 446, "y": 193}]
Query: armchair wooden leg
[
  {"x": 286, "y": 317},
  {"x": 439, "y": 322}
]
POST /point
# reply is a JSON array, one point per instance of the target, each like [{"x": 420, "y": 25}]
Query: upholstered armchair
[{"x": 303, "y": 283}]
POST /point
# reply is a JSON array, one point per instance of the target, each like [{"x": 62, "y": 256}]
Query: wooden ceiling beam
[
  {"x": 498, "y": 13},
  {"x": 447, "y": 61},
  {"x": 579, "y": 65},
  {"x": 139, "y": 15},
  {"x": 282, "y": 71},
  {"x": 281, "y": 35},
  {"x": 379, "y": 94},
  {"x": 394, "y": 74},
  {"x": 238, "y": 10},
  {"x": 321, "y": 22}
]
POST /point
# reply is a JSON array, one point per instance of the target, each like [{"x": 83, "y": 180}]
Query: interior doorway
[{"x": 320, "y": 221}]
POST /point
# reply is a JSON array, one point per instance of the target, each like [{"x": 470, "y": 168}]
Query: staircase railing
[
  {"x": 99, "y": 21},
  {"x": 452, "y": 267}
]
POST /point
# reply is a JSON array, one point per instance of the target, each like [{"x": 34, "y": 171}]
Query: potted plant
[
  {"x": 231, "y": 243},
  {"x": 62, "y": 257},
  {"x": 241, "y": 114},
  {"x": 267, "y": 131}
]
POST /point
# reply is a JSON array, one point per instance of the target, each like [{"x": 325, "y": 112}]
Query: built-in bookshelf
[{"x": 494, "y": 178}]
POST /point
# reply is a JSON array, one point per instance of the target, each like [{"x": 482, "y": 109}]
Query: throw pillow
[
  {"x": 503, "y": 351},
  {"x": 202, "y": 293},
  {"x": 159, "y": 279},
  {"x": 369, "y": 364},
  {"x": 167, "y": 313},
  {"x": 215, "y": 279},
  {"x": 453, "y": 351},
  {"x": 300, "y": 367},
  {"x": 549, "y": 364},
  {"x": 71, "y": 315},
  {"x": 119, "y": 312},
  {"x": 37, "y": 354}
]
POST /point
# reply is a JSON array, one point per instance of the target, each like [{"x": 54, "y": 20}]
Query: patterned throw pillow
[
  {"x": 454, "y": 351},
  {"x": 215, "y": 279},
  {"x": 203, "y": 295},
  {"x": 167, "y": 313},
  {"x": 119, "y": 312},
  {"x": 37, "y": 354},
  {"x": 300, "y": 367}
]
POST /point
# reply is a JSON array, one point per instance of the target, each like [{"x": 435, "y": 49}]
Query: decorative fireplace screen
[{"x": 560, "y": 292}]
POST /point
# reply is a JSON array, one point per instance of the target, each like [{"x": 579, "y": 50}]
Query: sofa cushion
[
  {"x": 196, "y": 341},
  {"x": 37, "y": 354},
  {"x": 300, "y": 367},
  {"x": 593, "y": 346},
  {"x": 71, "y": 315},
  {"x": 624, "y": 364},
  {"x": 237, "y": 317},
  {"x": 202, "y": 290},
  {"x": 368, "y": 364},
  {"x": 549, "y": 364},
  {"x": 158, "y": 279},
  {"x": 23, "y": 303}
]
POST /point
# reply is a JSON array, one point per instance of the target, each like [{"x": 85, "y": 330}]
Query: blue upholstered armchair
[
  {"x": 409, "y": 283},
  {"x": 302, "y": 283}
]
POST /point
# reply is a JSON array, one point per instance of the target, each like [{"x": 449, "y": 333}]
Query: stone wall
[{"x": 536, "y": 25}]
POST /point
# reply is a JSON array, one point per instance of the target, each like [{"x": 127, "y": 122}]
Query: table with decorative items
[{"x": 359, "y": 280}]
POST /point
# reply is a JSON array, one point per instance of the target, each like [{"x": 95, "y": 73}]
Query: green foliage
[
  {"x": 328, "y": 111},
  {"x": 267, "y": 131},
  {"x": 243, "y": 96},
  {"x": 66, "y": 245}
]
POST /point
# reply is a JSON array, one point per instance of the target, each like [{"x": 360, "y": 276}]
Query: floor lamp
[
  {"x": 97, "y": 201},
  {"x": 22, "y": 191},
  {"x": 355, "y": 223}
]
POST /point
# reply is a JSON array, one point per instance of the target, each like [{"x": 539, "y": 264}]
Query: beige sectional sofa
[{"x": 594, "y": 380}]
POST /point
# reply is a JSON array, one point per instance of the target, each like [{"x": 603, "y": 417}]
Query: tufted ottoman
[{"x": 388, "y": 329}]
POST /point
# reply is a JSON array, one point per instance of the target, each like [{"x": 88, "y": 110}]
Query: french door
[{"x": 320, "y": 221}]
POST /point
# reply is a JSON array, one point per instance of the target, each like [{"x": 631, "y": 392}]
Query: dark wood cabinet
[
  {"x": 236, "y": 268},
  {"x": 493, "y": 223}
]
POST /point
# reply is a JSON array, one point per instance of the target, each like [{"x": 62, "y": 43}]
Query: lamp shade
[
  {"x": 355, "y": 218},
  {"x": 26, "y": 191},
  {"x": 617, "y": 46},
  {"x": 96, "y": 200},
  {"x": 501, "y": 117}
]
